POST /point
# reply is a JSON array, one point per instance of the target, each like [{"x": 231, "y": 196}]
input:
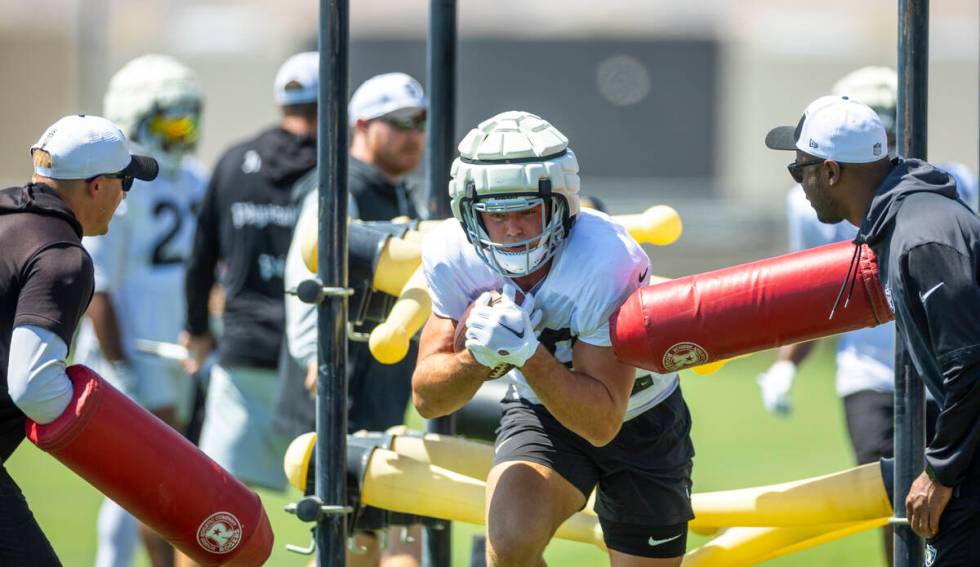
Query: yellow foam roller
[
  {"x": 389, "y": 341},
  {"x": 659, "y": 225},
  {"x": 741, "y": 546},
  {"x": 853, "y": 495}
]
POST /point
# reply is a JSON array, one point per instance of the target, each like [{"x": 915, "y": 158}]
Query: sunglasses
[
  {"x": 406, "y": 124},
  {"x": 127, "y": 180},
  {"x": 796, "y": 169}
]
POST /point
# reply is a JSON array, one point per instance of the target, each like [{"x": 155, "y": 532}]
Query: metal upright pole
[
  {"x": 910, "y": 129},
  {"x": 440, "y": 148},
  {"x": 331, "y": 390}
]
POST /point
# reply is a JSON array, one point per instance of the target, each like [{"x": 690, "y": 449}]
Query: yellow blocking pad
[
  {"x": 402, "y": 484},
  {"x": 853, "y": 495},
  {"x": 737, "y": 547},
  {"x": 399, "y": 259},
  {"x": 389, "y": 341},
  {"x": 660, "y": 225}
]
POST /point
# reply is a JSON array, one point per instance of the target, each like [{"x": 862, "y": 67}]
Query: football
[{"x": 459, "y": 340}]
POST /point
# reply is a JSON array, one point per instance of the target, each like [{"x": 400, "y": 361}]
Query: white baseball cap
[
  {"x": 390, "y": 93},
  {"x": 839, "y": 128},
  {"x": 85, "y": 146},
  {"x": 298, "y": 79}
]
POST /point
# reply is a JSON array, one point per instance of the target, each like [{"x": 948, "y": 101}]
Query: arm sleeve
[
  {"x": 202, "y": 261},
  {"x": 108, "y": 252},
  {"x": 941, "y": 285},
  {"x": 57, "y": 289},
  {"x": 36, "y": 375}
]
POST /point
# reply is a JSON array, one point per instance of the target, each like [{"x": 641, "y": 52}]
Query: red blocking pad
[
  {"x": 158, "y": 476},
  {"x": 748, "y": 308}
]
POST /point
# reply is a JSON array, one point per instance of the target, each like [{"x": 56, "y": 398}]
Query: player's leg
[
  {"x": 21, "y": 540},
  {"x": 526, "y": 503},
  {"x": 117, "y": 531},
  {"x": 238, "y": 431},
  {"x": 539, "y": 478},
  {"x": 644, "y": 495}
]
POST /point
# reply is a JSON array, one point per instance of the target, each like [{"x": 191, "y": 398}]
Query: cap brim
[
  {"x": 781, "y": 138},
  {"x": 143, "y": 168}
]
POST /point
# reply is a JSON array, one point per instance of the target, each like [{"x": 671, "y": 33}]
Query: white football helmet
[
  {"x": 156, "y": 100},
  {"x": 876, "y": 87},
  {"x": 511, "y": 162}
]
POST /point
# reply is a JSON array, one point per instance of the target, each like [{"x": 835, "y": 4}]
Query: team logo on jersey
[
  {"x": 220, "y": 532},
  {"x": 684, "y": 355},
  {"x": 930, "y": 555}
]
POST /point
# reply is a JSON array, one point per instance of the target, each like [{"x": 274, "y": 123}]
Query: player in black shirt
[{"x": 82, "y": 169}]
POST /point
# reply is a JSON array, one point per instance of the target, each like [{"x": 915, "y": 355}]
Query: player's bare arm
[
  {"x": 590, "y": 400},
  {"x": 106, "y": 325},
  {"x": 443, "y": 380}
]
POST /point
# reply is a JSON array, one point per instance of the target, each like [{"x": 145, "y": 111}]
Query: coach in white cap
[
  {"x": 82, "y": 170},
  {"x": 927, "y": 243},
  {"x": 387, "y": 120}
]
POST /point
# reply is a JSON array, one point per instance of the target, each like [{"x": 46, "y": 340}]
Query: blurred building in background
[{"x": 665, "y": 101}]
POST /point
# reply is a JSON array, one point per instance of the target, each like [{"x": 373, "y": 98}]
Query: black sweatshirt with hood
[
  {"x": 46, "y": 281},
  {"x": 927, "y": 243},
  {"x": 245, "y": 226}
]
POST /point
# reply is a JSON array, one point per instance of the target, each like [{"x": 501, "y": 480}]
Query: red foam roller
[
  {"x": 747, "y": 308},
  {"x": 158, "y": 476}
]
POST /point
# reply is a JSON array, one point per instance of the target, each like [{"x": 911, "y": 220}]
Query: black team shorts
[{"x": 644, "y": 474}]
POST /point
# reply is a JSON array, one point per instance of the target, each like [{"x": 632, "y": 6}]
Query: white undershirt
[{"x": 36, "y": 376}]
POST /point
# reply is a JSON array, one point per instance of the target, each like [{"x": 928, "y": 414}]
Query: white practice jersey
[
  {"x": 140, "y": 262},
  {"x": 865, "y": 357},
  {"x": 598, "y": 267}
]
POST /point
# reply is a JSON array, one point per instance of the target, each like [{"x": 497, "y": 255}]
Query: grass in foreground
[{"x": 738, "y": 445}]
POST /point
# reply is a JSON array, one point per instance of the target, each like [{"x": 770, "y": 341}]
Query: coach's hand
[
  {"x": 198, "y": 346},
  {"x": 776, "y": 384},
  {"x": 502, "y": 332},
  {"x": 925, "y": 504}
]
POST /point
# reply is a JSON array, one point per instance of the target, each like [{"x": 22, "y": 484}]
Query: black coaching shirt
[{"x": 46, "y": 281}]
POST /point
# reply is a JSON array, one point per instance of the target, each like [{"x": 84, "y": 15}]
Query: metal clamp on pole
[
  {"x": 312, "y": 509},
  {"x": 312, "y": 291}
]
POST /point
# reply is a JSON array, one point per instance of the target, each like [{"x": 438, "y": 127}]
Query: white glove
[
  {"x": 502, "y": 333},
  {"x": 775, "y": 384}
]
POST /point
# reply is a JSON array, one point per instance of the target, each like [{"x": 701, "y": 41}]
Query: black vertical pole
[
  {"x": 440, "y": 149},
  {"x": 910, "y": 129},
  {"x": 331, "y": 390}
]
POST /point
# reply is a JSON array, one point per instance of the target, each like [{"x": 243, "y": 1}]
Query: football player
[
  {"x": 574, "y": 416},
  {"x": 139, "y": 266}
]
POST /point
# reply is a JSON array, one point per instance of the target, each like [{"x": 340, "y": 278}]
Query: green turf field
[{"x": 738, "y": 445}]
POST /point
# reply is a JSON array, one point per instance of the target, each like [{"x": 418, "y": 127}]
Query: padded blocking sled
[
  {"x": 717, "y": 315},
  {"x": 158, "y": 476}
]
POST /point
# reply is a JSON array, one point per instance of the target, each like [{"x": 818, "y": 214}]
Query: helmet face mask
[
  {"x": 518, "y": 258},
  {"x": 172, "y": 130},
  {"x": 513, "y": 162},
  {"x": 156, "y": 100}
]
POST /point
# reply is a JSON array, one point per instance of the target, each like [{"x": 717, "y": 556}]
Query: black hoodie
[
  {"x": 246, "y": 221},
  {"x": 928, "y": 246},
  {"x": 46, "y": 281}
]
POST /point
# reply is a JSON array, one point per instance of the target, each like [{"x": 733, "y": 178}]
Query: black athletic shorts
[
  {"x": 21, "y": 540},
  {"x": 871, "y": 423},
  {"x": 644, "y": 474}
]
